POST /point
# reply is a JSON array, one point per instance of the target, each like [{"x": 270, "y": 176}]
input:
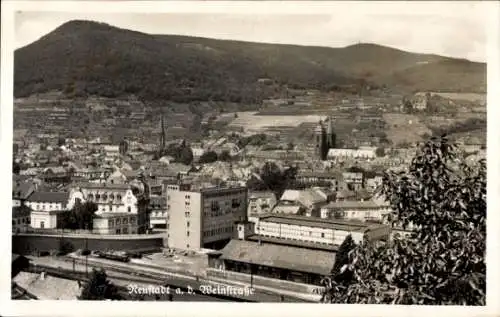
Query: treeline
[{"x": 468, "y": 125}]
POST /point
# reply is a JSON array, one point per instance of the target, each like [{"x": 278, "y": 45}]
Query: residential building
[
  {"x": 353, "y": 180},
  {"x": 21, "y": 218},
  {"x": 132, "y": 199},
  {"x": 48, "y": 201},
  {"x": 340, "y": 155},
  {"x": 311, "y": 177},
  {"x": 115, "y": 223},
  {"x": 203, "y": 216},
  {"x": 21, "y": 190},
  {"x": 261, "y": 202},
  {"x": 356, "y": 210},
  {"x": 57, "y": 175},
  {"x": 94, "y": 175},
  {"x": 44, "y": 219},
  {"x": 158, "y": 212},
  {"x": 310, "y": 199}
]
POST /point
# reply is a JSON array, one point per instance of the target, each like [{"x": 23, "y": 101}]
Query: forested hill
[{"x": 87, "y": 58}]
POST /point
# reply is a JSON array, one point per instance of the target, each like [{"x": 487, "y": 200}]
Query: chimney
[{"x": 42, "y": 276}]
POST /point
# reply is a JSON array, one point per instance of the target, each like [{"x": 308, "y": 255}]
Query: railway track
[{"x": 176, "y": 280}]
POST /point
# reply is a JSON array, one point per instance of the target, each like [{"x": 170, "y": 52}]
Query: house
[
  {"x": 158, "y": 212},
  {"x": 356, "y": 210},
  {"x": 21, "y": 190},
  {"x": 21, "y": 218},
  {"x": 353, "y": 180},
  {"x": 115, "y": 223},
  {"x": 115, "y": 198},
  {"x": 312, "y": 177},
  {"x": 56, "y": 174},
  {"x": 46, "y": 287},
  {"x": 48, "y": 201},
  {"x": 45, "y": 219},
  {"x": 261, "y": 202},
  {"x": 308, "y": 198},
  {"x": 339, "y": 155}
]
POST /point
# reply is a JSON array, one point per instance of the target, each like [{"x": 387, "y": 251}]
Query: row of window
[
  {"x": 285, "y": 231},
  {"x": 21, "y": 221},
  {"x": 112, "y": 208},
  {"x": 104, "y": 196},
  {"x": 301, "y": 240},
  {"x": 46, "y": 206},
  {"x": 119, "y": 221},
  {"x": 218, "y": 231}
]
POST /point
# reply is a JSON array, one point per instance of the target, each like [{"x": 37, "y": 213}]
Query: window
[
  {"x": 187, "y": 233},
  {"x": 187, "y": 214},
  {"x": 42, "y": 224},
  {"x": 129, "y": 209},
  {"x": 322, "y": 234},
  {"x": 13, "y": 222},
  {"x": 187, "y": 224},
  {"x": 214, "y": 206},
  {"x": 187, "y": 246},
  {"x": 235, "y": 203}
]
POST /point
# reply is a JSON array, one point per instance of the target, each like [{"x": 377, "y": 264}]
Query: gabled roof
[{"x": 49, "y": 197}]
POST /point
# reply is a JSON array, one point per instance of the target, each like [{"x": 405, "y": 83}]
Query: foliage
[
  {"x": 16, "y": 168},
  {"x": 468, "y": 125},
  {"x": 225, "y": 156},
  {"x": 208, "y": 157},
  {"x": 380, "y": 152},
  {"x": 276, "y": 179},
  {"x": 254, "y": 140},
  {"x": 99, "y": 287},
  {"x": 443, "y": 261},
  {"x": 181, "y": 153},
  {"x": 79, "y": 217}
]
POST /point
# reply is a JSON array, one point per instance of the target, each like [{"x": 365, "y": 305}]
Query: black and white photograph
[{"x": 330, "y": 153}]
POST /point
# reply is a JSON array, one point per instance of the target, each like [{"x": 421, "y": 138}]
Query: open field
[
  {"x": 474, "y": 97},
  {"x": 252, "y": 122},
  {"x": 404, "y": 128}
]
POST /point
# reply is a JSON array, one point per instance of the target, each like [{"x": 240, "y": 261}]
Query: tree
[
  {"x": 225, "y": 156},
  {"x": 276, "y": 179},
  {"x": 16, "y": 168},
  {"x": 380, "y": 152},
  {"x": 81, "y": 216},
  {"x": 208, "y": 157},
  {"x": 186, "y": 155},
  {"x": 99, "y": 287},
  {"x": 443, "y": 261}
]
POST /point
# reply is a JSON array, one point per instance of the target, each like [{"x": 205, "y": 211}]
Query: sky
[{"x": 450, "y": 29}]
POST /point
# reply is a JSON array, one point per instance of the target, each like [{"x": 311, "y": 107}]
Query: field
[
  {"x": 404, "y": 128},
  {"x": 250, "y": 121},
  {"x": 473, "y": 97}
]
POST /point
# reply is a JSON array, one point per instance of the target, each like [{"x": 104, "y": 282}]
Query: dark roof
[
  {"x": 22, "y": 190},
  {"x": 279, "y": 256},
  {"x": 336, "y": 224},
  {"x": 53, "y": 197}
]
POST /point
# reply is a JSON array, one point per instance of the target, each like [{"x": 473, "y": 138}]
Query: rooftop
[
  {"x": 294, "y": 243},
  {"x": 51, "y": 197},
  {"x": 336, "y": 224},
  {"x": 279, "y": 256}
]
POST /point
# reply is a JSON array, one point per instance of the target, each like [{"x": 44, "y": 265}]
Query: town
[{"x": 254, "y": 198}]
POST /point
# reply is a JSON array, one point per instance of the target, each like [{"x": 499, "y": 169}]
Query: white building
[
  {"x": 48, "y": 201},
  {"x": 115, "y": 223},
  {"x": 203, "y": 216},
  {"x": 114, "y": 198},
  {"x": 44, "y": 219},
  {"x": 317, "y": 230},
  {"x": 349, "y": 154},
  {"x": 356, "y": 210},
  {"x": 261, "y": 202}
]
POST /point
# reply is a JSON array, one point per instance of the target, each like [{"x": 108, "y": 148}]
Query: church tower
[
  {"x": 331, "y": 137},
  {"x": 163, "y": 136},
  {"x": 319, "y": 134}
]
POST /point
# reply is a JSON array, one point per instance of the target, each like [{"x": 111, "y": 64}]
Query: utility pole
[{"x": 86, "y": 257}]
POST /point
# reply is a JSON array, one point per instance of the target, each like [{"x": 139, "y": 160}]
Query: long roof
[
  {"x": 336, "y": 224},
  {"x": 279, "y": 256},
  {"x": 51, "y": 197}
]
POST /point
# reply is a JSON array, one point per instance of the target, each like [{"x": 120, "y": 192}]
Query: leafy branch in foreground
[{"x": 443, "y": 260}]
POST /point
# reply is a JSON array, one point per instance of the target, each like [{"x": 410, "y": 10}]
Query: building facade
[
  {"x": 203, "y": 217},
  {"x": 317, "y": 230},
  {"x": 115, "y": 223},
  {"x": 356, "y": 210},
  {"x": 132, "y": 199},
  {"x": 48, "y": 201}
]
